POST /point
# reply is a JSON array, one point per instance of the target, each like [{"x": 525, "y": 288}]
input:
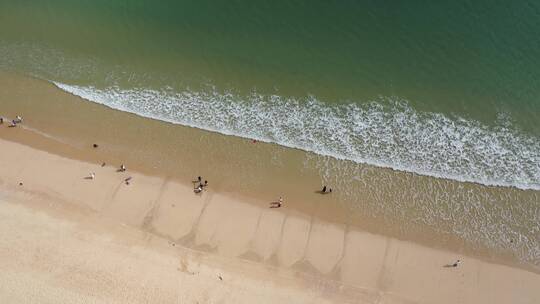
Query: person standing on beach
[{"x": 325, "y": 190}]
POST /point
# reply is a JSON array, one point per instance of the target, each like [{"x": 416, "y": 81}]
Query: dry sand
[{"x": 64, "y": 238}]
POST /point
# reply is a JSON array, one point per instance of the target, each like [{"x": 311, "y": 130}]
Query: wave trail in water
[{"x": 386, "y": 133}]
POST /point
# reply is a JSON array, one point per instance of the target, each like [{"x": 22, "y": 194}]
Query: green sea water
[{"x": 442, "y": 89}]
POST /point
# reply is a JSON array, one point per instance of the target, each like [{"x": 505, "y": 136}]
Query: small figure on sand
[
  {"x": 455, "y": 264},
  {"x": 122, "y": 168},
  {"x": 14, "y": 122},
  {"x": 103, "y": 164},
  {"x": 277, "y": 204},
  {"x": 1, "y": 120},
  {"x": 325, "y": 190},
  {"x": 92, "y": 176},
  {"x": 95, "y": 145},
  {"x": 200, "y": 185},
  {"x": 127, "y": 180}
]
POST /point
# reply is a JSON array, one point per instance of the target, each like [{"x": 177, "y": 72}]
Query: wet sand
[{"x": 69, "y": 238}]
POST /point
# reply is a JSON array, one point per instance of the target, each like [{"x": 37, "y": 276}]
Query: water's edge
[{"x": 386, "y": 133}]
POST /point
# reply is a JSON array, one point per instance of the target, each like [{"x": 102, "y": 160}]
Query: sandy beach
[
  {"x": 181, "y": 152},
  {"x": 67, "y": 238}
]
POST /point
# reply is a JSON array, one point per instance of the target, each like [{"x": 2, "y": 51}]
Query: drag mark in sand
[{"x": 296, "y": 230}]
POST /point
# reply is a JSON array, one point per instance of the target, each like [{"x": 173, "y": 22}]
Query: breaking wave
[{"x": 386, "y": 132}]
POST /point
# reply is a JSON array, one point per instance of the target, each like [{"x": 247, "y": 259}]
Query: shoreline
[
  {"x": 255, "y": 172},
  {"x": 350, "y": 263},
  {"x": 367, "y": 162}
]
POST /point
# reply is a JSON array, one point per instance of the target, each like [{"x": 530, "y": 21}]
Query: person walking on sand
[
  {"x": 199, "y": 189},
  {"x": 277, "y": 204},
  {"x": 92, "y": 175},
  {"x": 456, "y": 264},
  {"x": 122, "y": 168},
  {"x": 127, "y": 180}
]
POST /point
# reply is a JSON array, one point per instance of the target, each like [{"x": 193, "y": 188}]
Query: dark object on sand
[
  {"x": 456, "y": 264},
  {"x": 95, "y": 145},
  {"x": 277, "y": 204},
  {"x": 220, "y": 278},
  {"x": 103, "y": 164},
  {"x": 325, "y": 190},
  {"x": 127, "y": 180},
  {"x": 20, "y": 184}
]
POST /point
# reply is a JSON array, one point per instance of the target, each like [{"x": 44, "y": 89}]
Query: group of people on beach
[
  {"x": 279, "y": 202},
  {"x": 14, "y": 122},
  {"x": 122, "y": 168},
  {"x": 200, "y": 185}
]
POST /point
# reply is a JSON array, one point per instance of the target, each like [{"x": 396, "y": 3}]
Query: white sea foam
[{"x": 385, "y": 133}]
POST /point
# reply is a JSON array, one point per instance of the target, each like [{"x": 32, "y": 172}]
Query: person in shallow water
[{"x": 326, "y": 190}]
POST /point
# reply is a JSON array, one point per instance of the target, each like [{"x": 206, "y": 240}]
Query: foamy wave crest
[{"x": 386, "y": 133}]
